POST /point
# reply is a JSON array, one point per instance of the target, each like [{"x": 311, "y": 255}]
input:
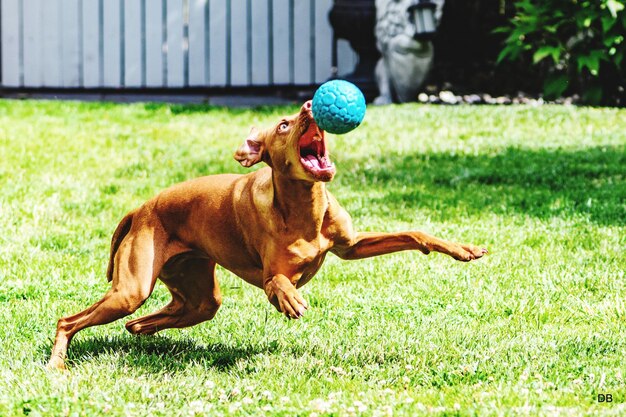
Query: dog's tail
[{"x": 120, "y": 232}]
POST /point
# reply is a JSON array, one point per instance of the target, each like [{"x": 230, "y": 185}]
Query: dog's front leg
[
  {"x": 368, "y": 244},
  {"x": 282, "y": 293}
]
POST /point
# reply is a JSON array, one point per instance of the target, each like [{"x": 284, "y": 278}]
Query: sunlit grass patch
[{"x": 535, "y": 328}]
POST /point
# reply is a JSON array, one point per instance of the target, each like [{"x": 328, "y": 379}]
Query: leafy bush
[{"x": 578, "y": 45}]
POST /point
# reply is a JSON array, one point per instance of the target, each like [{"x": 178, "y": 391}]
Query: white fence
[{"x": 167, "y": 43}]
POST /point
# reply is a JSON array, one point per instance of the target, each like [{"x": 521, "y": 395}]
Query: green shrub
[{"x": 578, "y": 45}]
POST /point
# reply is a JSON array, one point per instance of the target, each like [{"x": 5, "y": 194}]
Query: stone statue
[{"x": 405, "y": 61}]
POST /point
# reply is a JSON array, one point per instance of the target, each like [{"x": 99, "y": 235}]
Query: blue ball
[{"x": 338, "y": 106}]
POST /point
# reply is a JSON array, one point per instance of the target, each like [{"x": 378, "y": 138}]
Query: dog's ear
[{"x": 251, "y": 152}]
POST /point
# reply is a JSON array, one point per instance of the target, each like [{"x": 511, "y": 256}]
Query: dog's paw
[
  {"x": 469, "y": 253},
  {"x": 292, "y": 304},
  {"x": 283, "y": 295},
  {"x": 56, "y": 364}
]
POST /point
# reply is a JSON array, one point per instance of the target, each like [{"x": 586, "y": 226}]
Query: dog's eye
[{"x": 283, "y": 126}]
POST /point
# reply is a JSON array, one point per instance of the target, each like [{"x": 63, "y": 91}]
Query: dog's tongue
[
  {"x": 312, "y": 161},
  {"x": 317, "y": 163}
]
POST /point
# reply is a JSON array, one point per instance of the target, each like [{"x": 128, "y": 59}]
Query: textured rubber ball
[{"x": 338, "y": 106}]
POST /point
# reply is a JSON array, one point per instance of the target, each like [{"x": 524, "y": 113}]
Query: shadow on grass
[
  {"x": 160, "y": 353},
  {"x": 539, "y": 183}
]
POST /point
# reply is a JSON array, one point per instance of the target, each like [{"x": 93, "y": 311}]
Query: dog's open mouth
[{"x": 313, "y": 152}]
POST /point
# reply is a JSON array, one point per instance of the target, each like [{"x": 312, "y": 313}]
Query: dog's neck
[{"x": 300, "y": 202}]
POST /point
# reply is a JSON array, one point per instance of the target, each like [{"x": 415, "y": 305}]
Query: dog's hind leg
[
  {"x": 196, "y": 295},
  {"x": 138, "y": 262}
]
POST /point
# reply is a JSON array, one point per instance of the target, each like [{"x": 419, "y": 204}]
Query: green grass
[{"x": 535, "y": 328}]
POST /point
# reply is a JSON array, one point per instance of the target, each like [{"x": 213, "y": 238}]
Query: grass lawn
[{"x": 538, "y": 327}]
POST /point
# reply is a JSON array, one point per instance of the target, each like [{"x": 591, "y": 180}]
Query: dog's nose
[{"x": 307, "y": 106}]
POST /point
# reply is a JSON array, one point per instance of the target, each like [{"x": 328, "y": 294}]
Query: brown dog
[{"x": 272, "y": 227}]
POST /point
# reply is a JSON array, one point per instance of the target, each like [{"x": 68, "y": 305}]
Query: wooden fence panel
[
  {"x": 91, "y": 43},
  {"x": 33, "y": 68},
  {"x": 218, "y": 44},
  {"x": 260, "y": 44},
  {"x": 50, "y": 31},
  {"x": 167, "y": 43},
  {"x": 239, "y": 50},
  {"x": 283, "y": 52},
  {"x": 12, "y": 63},
  {"x": 133, "y": 24},
  {"x": 198, "y": 48},
  {"x": 155, "y": 41},
  {"x": 112, "y": 43},
  {"x": 303, "y": 48},
  {"x": 175, "y": 56},
  {"x": 323, "y": 41},
  {"x": 71, "y": 56}
]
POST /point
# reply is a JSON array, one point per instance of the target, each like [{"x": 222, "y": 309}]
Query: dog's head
[{"x": 294, "y": 147}]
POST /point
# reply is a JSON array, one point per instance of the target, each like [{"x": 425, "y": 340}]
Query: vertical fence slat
[
  {"x": 282, "y": 52},
  {"x": 260, "y": 43},
  {"x": 154, "y": 43},
  {"x": 91, "y": 43},
  {"x": 197, "y": 47},
  {"x": 217, "y": 43},
  {"x": 112, "y": 42},
  {"x": 175, "y": 55},
  {"x": 239, "y": 43},
  {"x": 70, "y": 34},
  {"x": 10, "y": 44},
  {"x": 323, "y": 41},
  {"x": 51, "y": 42},
  {"x": 132, "y": 43},
  {"x": 32, "y": 43},
  {"x": 302, "y": 61}
]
